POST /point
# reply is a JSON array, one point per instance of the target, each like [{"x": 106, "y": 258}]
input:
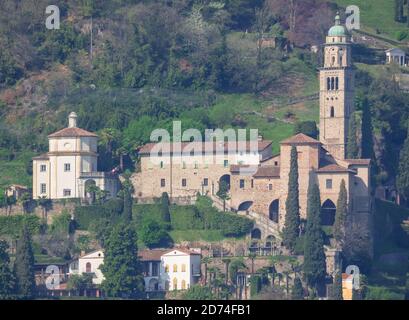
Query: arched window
[
  {"x": 336, "y": 83},
  {"x": 328, "y": 83},
  {"x": 274, "y": 211},
  {"x": 328, "y": 210},
  {"x": 183, "y": 284},
  {"x": 175, "y": 268},
  {"x": 332, "y": 112},
  {"x": 183, "y": 269},
  {"x": 167, "y": 268},
  {"x": 175, "y": 283},
  {"x": 332, "y": 83},
  {"x": 88, "y": 267}
]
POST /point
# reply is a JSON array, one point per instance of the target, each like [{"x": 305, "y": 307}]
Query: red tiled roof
[
  {"x": 72, "y": 132},
  {"x": 300, "y": 139},
  {"x": 267, "y": 172},
  {"x": 333, "y": 168},
  {"x": 262, "y": 145},
  {"x": 151, "y": 255}
]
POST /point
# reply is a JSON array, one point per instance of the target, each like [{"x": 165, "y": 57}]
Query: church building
[
  {"x": 264, "y": 189},
  {"x": 70, "y": 166}
]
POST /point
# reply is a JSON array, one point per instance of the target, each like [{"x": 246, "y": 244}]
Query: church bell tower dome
[{"x": 337, "y": 30}]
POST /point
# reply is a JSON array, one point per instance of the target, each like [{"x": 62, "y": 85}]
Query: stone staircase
[{"x": 261, "y": 222}]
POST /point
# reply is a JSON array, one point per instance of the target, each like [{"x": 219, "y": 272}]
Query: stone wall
[{"x": 56, "y": 208}]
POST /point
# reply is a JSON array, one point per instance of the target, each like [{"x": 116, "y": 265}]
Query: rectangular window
[
  {"x": 43, "y": 168},
  {"x": 328, "y": 184},
  {"x": 184, "y": 165},
  {"x": 270, "y": 187},
  {"x": 162, "y": 183},
  {"x": 67, "y": 192},
  {"x": 276, "y": 163},
  {"x": 252, "y": 183},
  {"x": 43, "y": 188},
  {"x": 161, "y": 164},
  {"x": 67, "y": 167},
  {"x": 241, "y": 183},
  {"x": 205, "y": 182},
  {"x": 196, "y": 165},
  {"x": 184, "y": 183},
  {"x": 226, "y": 163}
]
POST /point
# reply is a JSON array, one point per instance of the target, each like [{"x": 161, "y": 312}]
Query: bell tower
[{"x": 336, "y": 90}]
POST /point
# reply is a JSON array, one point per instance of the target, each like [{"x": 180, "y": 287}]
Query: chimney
[{"x": 72, "y": 120}]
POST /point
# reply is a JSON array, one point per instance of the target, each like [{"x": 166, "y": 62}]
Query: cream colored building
[
  {"x": 88, "y": 264},
  {"x": 70, "y": 165},
  {"x": 263, "y": 188}
]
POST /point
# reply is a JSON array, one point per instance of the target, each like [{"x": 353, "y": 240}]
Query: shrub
[{"x": 12, "y": 225}]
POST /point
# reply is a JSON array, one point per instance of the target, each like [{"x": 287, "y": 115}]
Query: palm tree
[
  {"x": 226, "y": 265},
  {"x": 205, "y": 260},
  {"x": 44, "y": 203},
  {"x": 252, "y": 256}
]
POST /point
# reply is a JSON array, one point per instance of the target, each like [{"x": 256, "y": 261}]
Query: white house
[
  {"x": 163, "y": 270},
  {"x": 70, "y": 165},
  {"x": 180, "y": 269},
  {"x": 397, "y": 56},
  {"x": 89, "y": 264}
]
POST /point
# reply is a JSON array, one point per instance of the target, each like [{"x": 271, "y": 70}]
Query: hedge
[{"x": 12, "y": 225}]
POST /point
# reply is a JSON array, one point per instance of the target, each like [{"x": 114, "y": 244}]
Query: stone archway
[
  {"x": 256, "y": 234},
  {"x": 273, "y": 211},
  {"x": 225, "y": 179},
  {"x": 244, "y": 206},
  {"x": 328, "y": 210}
]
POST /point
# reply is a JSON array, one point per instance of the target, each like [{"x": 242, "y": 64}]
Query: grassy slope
[
  {"x": 14, "y": 172},
  {"x": 377, "y": 14}
]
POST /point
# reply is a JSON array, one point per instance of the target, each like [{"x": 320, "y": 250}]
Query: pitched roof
[
  {"x": 184, "y": 250},
  {"x": 358, "y": 161},
  {"x": 300, "y": 138},
  {"x": 72, "y": 132},
  {"x": 151, "y": 255},
  {"x": 267, "y": 172},
  {"x": 205, "y": 146},
  {"x": 333, "y": 168}
]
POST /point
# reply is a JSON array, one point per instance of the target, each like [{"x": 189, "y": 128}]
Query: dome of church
[{"x": 337, "y": 30}]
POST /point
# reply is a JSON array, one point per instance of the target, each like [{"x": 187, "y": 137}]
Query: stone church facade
[{"x": 263, "y": 188}]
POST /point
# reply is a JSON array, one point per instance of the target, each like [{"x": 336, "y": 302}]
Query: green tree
[
  {"x": 298, "y": 290},
  {"x": 128, "y": 201},
  {"x": 80, "y": 283},
  {"x": 121, "y": 268},
  {"x": 7, "y": 280},
  {"x": 402, "y": 179},
  {"x": 336, "y": 290},
  {"x": 292, "y": 218},
  {"x": 314, "y": 256},
  {"x": 399, "y": 9},
  {"x": 308, "y": 128},
  {"x": 223, "y": 192},
  {"x": 165, "y": 209},
  {"x": 197, "y": 292},
  {"x": 341, "y": 214},
  {"x": 367, "y": 134},
  {"x": 24, "y": 266},
  {"x": 153, "y": 234},
  {"x": 352, "y": 145}
]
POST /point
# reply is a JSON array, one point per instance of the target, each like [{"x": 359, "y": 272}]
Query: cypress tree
[
  {"x": 314, "y": 256},
  {"x": 121, "y": 268},
  {"x": 352, "y": 145},
  {"x": 336, "y": 292},
  {"x": 367, "y": 135},
  {"x": 292, "y": 218},
  {"x": 341, "y": 214},
  {"x": 24, "y": 266},
  {"x": 298, "y": 290},
  {"x": 402, "y": 180},
  {"x": 399, "y": 10},
  {"x": 165, "y": 209},
  {"x": 128, "y": 201},
  {"x": 6, "y": 275}
]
